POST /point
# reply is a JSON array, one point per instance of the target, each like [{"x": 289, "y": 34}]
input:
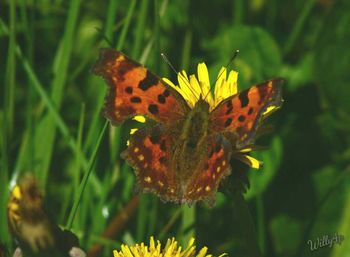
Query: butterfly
[{"x": 185, "y": 155}]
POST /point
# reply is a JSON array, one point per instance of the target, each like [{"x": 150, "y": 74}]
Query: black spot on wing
[
  {"x": 149, "y": 81},
  {"x": 228, "y": 122},
  {"x": 153, "y": 108},
  {"x": 229, "y": 110},
  {"x": 243, "y": 98},
  {"x": 128, "y": 90},
  {"x": 135, "y": 99},
  {"x": 241, "y": 118},
  {"x": 161, "y": 99},
  {"x": 250, "y": 111},
  {"x": 166, "y": 93}
]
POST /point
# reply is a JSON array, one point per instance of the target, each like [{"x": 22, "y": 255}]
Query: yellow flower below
[{"x": 154, "y": 249}]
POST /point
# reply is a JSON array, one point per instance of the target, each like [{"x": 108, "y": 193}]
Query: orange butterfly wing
[
  {"x": 134, "y": 90},
  {"x": 205, "y": 181},
  {"x": 240, "y": 114},
  {"x": 149, "y": 153}
]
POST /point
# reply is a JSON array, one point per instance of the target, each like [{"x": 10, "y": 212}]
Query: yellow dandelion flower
[
  {"x": 192, "y": 88},
  {"x": 171, "y": 249}
]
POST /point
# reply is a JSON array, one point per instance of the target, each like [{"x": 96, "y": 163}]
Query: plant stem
[
  {"x": 293, "y": 36},
  {"x": 245, "y": 224}
]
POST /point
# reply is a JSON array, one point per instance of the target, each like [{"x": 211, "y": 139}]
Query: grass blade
[
  {"x": 85, "y": 179},
  {"x": 47, "y": 127},
  {"x": 293, "y": 36}
]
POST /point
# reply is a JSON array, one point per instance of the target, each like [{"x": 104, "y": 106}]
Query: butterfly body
[
  {"x": 196, "y": 126},
  {"x": 186, "y": 154}
]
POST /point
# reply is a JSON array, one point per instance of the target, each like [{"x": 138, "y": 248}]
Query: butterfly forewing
[
  {"x": 241, "y": 113},
  {"x": 134, "y": 90}
]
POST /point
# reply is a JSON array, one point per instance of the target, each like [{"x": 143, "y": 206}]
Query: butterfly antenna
[
  {"x": 168, "y": 62},
  {"x": 99, "y": 30},
  {"x": 232, "y": 58},
  {"x": 228, "y": 64},
  {"x": 165, "y": 58}
]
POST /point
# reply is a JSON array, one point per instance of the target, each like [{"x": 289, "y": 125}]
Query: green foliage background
[{"x": 51, "y": 125}]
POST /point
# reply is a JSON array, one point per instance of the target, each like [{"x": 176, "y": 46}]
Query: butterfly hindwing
[
  {"x": 240, "y": 114},
  {"x": 134, "y": 90},
  {"x": 204, "y": 182},
  {"x": 149, "y": 154}
]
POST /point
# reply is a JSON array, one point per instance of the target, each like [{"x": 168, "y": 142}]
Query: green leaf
[
  {"x": 333, "y": 62},
  {"x": 285, "y": 233},
  {"x": 259, "y": 55},
  {"x": 299, "y": 74}
]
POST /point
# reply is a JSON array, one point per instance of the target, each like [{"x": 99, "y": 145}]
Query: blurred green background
[{"x": 51, "y": 122}]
